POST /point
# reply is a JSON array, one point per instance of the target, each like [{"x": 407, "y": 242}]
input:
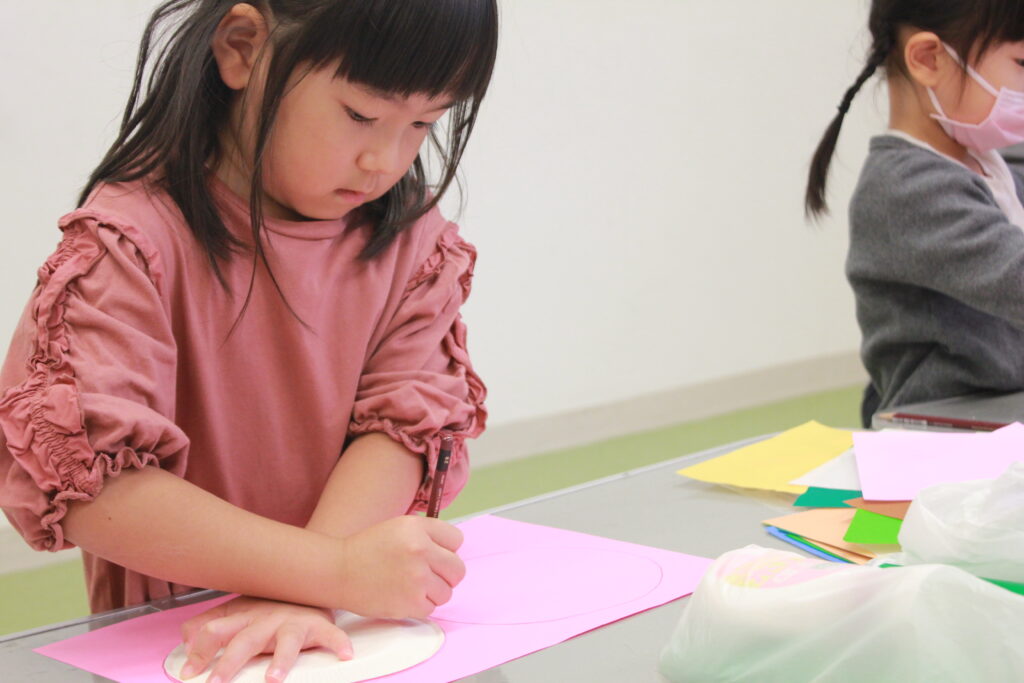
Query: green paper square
[{"x": 871, "y": 527}]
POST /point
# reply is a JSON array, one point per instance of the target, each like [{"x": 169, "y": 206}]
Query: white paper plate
[{"x": 381, "y": 647}]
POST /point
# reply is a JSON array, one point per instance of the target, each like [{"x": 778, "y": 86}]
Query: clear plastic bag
[
  {"x": 975, "y": 525},
  {"x": 767, "y": 615}
]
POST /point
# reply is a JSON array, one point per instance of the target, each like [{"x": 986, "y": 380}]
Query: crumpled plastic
[
  {"x": 977, "y": 526},
  {"x": 767, "y": 615}
]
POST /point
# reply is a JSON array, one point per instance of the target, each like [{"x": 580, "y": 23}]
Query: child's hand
[
  {"x": 404, "y": 567},
  {"x": 246, "y": 627}
]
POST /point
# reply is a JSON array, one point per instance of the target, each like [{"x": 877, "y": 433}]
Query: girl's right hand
[{"x": 403, "y": 567}]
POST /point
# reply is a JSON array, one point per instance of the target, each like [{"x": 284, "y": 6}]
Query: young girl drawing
[
  {"x": 936, "y": 257},
  {"x": 236, "y": 369}
]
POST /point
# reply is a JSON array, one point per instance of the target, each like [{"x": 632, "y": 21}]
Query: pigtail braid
[{"x": 814, "y": 200}]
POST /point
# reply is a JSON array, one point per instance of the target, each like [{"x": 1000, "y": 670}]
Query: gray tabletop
[
  {"x": 985, "y": 407},
  {"x": 651, "y": 506}
]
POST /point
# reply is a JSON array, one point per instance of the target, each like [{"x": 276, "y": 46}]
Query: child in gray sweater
[{"x": 936, "y": 256}]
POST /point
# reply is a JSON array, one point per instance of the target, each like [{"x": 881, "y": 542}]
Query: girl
[
  {"x": 235, "y": 369},
  {"x": 936, "y": 255}
]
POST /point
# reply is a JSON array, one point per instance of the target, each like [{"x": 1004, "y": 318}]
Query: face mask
[{"x": 1004, "y": 126}]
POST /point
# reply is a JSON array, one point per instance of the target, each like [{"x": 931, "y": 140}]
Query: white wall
[
  {"x": 635, "y": 192},
  {"x": 635, "y": 183}
]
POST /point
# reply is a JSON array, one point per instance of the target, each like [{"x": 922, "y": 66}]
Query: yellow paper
[{"x": 771, "y": 464}]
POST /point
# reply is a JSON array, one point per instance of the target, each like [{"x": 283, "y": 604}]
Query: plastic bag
[
  {"x": 975, "y": 525},
  {"x": 768, "y": 615}
]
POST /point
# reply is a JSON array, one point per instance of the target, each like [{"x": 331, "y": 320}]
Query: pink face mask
[{"x": 1004, "y": 125}]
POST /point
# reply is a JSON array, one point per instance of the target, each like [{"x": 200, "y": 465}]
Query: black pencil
[{"x": 440, "y": 472}]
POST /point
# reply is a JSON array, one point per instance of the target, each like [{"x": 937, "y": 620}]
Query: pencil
[
  {"x": 936, "y": 421},
  {"x": 440, "y": 473}
]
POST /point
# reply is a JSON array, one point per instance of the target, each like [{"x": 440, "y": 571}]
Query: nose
[{"x": 380, "y": 158}]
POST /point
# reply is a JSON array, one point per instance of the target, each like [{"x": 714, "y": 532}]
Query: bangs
[
  {"x": 986, "y": 25},
  {"x": 1003, "y": 22},
  {"x": 398, "y": 48},
  {"x": 404, "y": 47}
]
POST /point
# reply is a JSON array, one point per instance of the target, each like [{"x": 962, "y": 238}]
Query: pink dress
[{"x": 123, "y": 358}]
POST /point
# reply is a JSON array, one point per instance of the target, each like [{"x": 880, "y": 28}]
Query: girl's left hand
[{"x": 246, "y": 627}]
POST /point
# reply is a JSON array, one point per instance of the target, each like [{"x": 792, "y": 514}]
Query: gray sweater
[{"x": 938, "y": 274}]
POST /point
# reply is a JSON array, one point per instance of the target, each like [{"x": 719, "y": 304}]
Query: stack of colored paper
[
  {"x": 856, "y": 533},
  {"x": 884, "y": 472},
  {"x": 863, "y": 527},
  {"x": 812, "y": 460},
  {"x": 861, "y": 483}
]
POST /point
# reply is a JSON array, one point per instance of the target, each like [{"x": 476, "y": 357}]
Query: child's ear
[
  {"x": 927, "y": 60},
  {"x": 237, "y": 42}
]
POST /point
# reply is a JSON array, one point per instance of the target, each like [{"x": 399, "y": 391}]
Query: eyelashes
[
  {"x": 357, "y": 117},
  {"x": 367, "y": 121}
]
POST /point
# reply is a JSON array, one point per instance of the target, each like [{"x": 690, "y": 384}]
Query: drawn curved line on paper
[{"x": 547, "y": 584}]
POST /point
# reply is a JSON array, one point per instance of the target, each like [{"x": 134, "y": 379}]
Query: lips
[{"x": 352, "y": 195}]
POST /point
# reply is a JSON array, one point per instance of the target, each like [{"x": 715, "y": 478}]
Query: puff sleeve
[
  {"x": 88, "y": 387},
  {"x": 418, "y": 380}
]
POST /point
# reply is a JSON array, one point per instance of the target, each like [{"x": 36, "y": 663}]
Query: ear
[
  {"x": 237, "y": 43},
  {"x": 927, "y": 60}
]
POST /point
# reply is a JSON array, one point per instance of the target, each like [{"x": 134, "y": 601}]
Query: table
[
  {"x": 991, "y": 407},
  {"x": 651, "y": 505}
]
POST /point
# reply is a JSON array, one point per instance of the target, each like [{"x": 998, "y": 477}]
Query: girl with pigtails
[
  {"x": 936, "y": 257},
  {"x": 236, "y": 369}
]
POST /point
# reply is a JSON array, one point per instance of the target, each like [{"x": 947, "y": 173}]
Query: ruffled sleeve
[
  {"x": 418, "y": 381},
  {"x": 88, "y": 387}
]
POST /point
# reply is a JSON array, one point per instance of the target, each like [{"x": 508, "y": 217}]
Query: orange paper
[
  {"x": 845, "y": 554},
  {"x": 823, "y": 525},
  {"x": 889, "y": 508}
]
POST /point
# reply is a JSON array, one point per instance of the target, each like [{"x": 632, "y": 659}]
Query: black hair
[
  {"x": 172, "y": 122},
  {"x": 970, "y": 27}
]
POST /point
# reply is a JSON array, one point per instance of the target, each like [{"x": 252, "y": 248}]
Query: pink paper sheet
[
  {"x": 897, "y": 465},
  {"x": 132, "y": 650},
  {"x": 527, "y": 587}
]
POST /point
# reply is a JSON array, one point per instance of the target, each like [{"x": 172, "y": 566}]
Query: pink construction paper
[
  {"x": 538, "y": 592},
  {"x": 527, "y": 587},
  {"x": 132, "y": 650},
  {"x": 897, "y": 465}
]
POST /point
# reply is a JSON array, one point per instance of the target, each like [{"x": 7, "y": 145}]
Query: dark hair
[
  {"x": 971, "y": 27},
  {"x": 399, "y": 47}
]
